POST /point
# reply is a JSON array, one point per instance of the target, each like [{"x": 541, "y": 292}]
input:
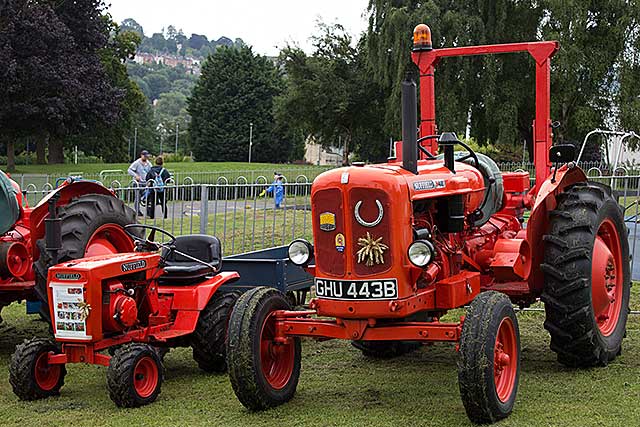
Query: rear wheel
[
  {"x": 91, "y": 225},
  {"x": 209, "y": 338},
  {"x": 31, "y": 375},
  {"x": 587, "y": 276},
  {"x": 135, "y": 375},
  {"x": 264, "y": 372},
  {"x": 489, "y": 358}
]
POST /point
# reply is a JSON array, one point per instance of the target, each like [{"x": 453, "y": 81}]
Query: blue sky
[{"x": 265, "y": 25}]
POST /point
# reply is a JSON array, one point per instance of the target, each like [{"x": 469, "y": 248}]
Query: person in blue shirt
[{"x": 277, "y": 189}]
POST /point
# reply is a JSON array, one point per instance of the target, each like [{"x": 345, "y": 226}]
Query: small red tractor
[
  {"x": 92, "y": 221},
  {"x": 398, "y": 245},
  {"x": 132, "y": 306}
]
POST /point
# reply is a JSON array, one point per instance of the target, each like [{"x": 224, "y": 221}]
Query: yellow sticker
[
  {"x": 340, "y": 242},
  {"x": 327, "y": 221}
]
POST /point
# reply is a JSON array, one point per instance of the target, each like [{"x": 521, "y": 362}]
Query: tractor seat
[{"x": 180, "y": 270}]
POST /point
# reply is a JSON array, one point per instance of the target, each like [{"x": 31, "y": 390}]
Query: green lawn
[{"x": 340, "y": 387}]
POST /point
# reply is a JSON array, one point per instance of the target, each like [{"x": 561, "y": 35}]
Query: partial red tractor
[
  {"x": 398, "y": 245},
  {"x": 92, "y": 221},
  {"x": 124, "y": 310}
]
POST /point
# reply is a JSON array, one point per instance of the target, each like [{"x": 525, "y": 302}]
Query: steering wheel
[
  {"x": 449, "y": 138},
  {"x": 148, "y": 242},
  {"x": 424, "y": 150}
]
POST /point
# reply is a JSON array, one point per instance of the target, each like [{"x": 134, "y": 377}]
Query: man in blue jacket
[{"x": 277, "y": 189}]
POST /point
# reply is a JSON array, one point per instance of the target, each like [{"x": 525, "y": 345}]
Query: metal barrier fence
[
  {"x": 44, "y": 182},
  {"x": 236, "y": 212}
]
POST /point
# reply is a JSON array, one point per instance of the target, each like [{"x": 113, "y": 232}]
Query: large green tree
[
  {"x": 236, "y": 88},
  {"x": 55, "y": 84},
  {"x": 495, "y": 95},
  {"x": 330, "y": 96}
]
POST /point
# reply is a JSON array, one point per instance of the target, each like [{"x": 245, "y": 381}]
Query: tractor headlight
[
  {"x": 300, "y": 252},
  {"x": 421, "y": 253}
]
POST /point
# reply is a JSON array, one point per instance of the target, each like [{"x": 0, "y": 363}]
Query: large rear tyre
[
  {"x": 92, "y": 224},
  {"x": 587, "y": 276},
  {"x": 209, "y": 340},
  {"x": 30, "y": 374},
  {"x": 263, "y": 373},
  {"x": 489, "y": 358},
  {"x": 135, "y": 375}
]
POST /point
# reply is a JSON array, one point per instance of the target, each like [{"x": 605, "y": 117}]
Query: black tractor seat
[{"x": 180, "y": 270}]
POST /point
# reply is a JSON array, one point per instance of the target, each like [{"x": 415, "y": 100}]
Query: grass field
[{"x": 339, "y": 387}]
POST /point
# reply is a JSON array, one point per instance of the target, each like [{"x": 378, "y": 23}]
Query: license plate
[{"x": 384, "y": 289}]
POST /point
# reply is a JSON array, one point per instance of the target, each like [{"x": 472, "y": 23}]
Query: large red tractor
[
  {"x": 398, "y": 245},
  {"x": 121, "y": 310},
  {"x": 92, "y": 221}
]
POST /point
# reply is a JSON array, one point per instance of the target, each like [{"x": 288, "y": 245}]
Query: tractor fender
[
  {"x": 67, "y": 192},
  {"x": 538, "y": 224},
  {"x": 196, "y": 298}
]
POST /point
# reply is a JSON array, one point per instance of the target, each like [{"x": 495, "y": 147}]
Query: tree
[
  {"x": 158, "y": 42},
  {"x": 236, "y": 88},
  {"x": 196, "y": 41},
  {"x": 110, "y": 141},
  {"x": 494, "y": 95},
  {"x": 329, "y": 97},
  {"x": 131, "y": 24},
  {"x": 68, "y": 95},
  {"x": 158, "y": 83}
]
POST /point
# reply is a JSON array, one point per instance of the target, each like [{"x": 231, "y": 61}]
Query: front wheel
[
  {"x": 31, "y": 375},
  {"x": 134, "y": 376},
  {"x": 489, "y": 358},
  {"x": 264, "y": 372}
]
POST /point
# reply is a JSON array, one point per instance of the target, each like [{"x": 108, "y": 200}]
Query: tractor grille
[
  {"x": 328, "y": 258},
  {"x": 369, "y": 213}
]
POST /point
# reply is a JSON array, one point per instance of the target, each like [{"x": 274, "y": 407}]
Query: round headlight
[
  {"x": 300, "y": 252},
  {"x": 421, "y": 253}
]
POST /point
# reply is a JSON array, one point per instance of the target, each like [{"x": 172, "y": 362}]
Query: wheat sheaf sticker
[{"x": 372, "y": 250}]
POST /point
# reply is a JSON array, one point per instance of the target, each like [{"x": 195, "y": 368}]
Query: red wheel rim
[
  {"x": 505, "y": 359},
  {"x": 108, "y": 239},
  {"x": 277, "y": 359},
  {"x": 606, "y": 278},
  {"x": 47, "y": 375},
  {"x": 145, "y": 377}
]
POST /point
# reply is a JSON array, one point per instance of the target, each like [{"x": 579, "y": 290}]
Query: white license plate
[{"x": 385, "y": 289}]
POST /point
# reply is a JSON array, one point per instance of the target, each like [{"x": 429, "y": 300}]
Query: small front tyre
[
  {"x": 489, "y": 358},
  {"x": 264, "y": 372},
  {"x": 134, "y": 376},
  {"x": 31, "y": 375}
]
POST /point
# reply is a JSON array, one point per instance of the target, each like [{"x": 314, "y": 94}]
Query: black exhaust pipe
[{"x": 409, "y": 126}]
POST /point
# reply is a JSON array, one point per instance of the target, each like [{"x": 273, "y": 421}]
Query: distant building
[
  {"x": 315, "y": 154},
  {"x": 190, "y": 64}
]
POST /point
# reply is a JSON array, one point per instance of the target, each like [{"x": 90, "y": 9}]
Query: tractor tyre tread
[
  {"x": 243, "y": 359},
  {"x": 80, "y": 218},
  {"x": 475, "y": 358},
  {"x": 209, "y": 338},
  {"x": 120, "y": 375},
  {"x": 21, "y": 369},
  {"x": 568, "y": 246}
]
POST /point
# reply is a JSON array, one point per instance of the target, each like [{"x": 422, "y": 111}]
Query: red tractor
[
  {"x": 398, "y": 245},
  {"x": 130, "y": 306},
  {"x": 92, "y": 221}
]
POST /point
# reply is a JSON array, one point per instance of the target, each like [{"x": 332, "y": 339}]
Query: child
[{"x": 277, "y": 188}]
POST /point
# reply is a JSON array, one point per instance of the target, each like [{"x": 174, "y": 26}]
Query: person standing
[
  {"x": 277, "y": 188},
  {"x": 138, "y": 171},
  {"x": 158, "y": 175}
]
